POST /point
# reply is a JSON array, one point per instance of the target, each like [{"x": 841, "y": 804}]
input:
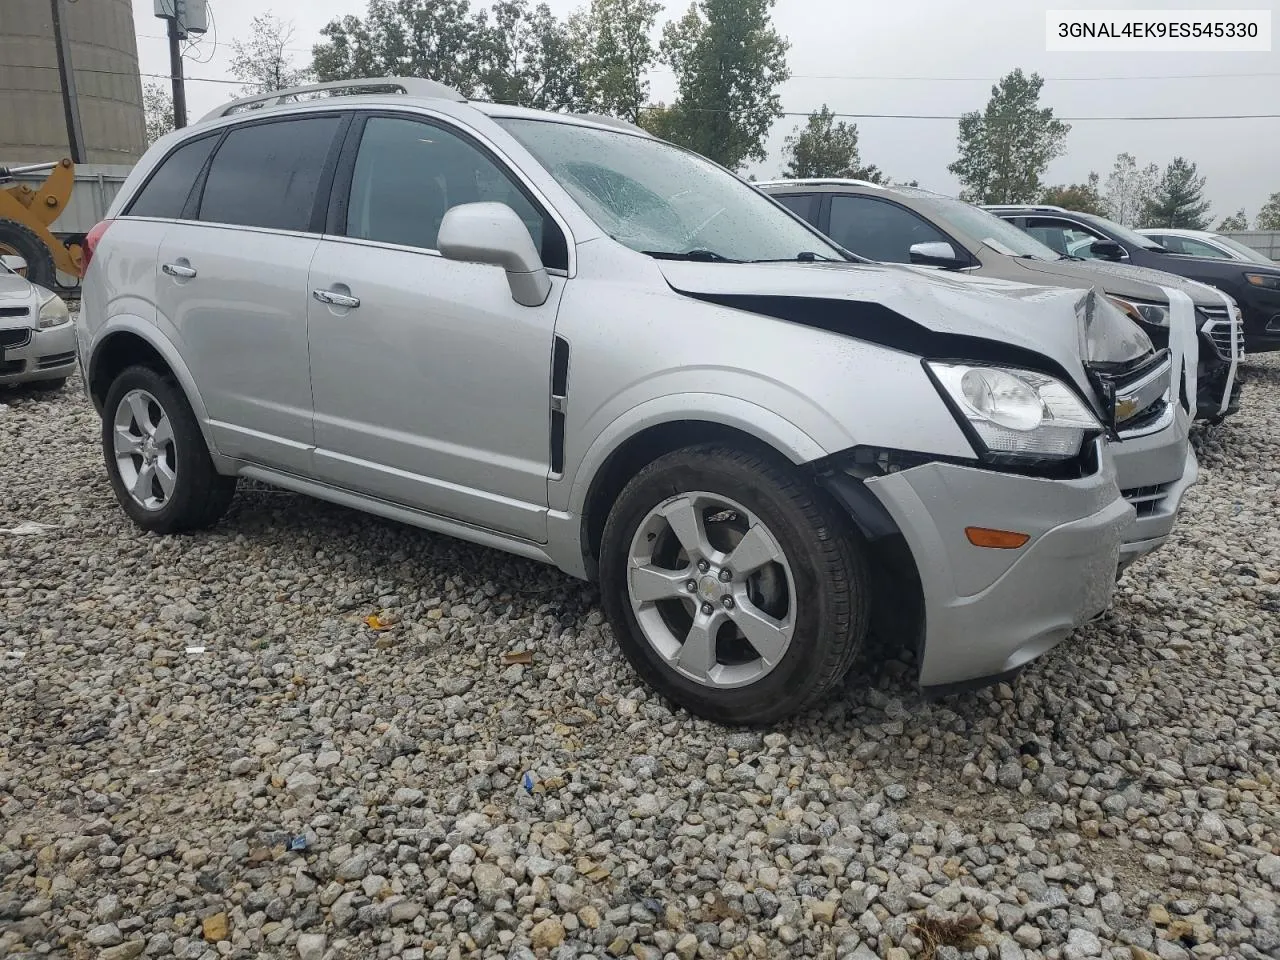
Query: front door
[
  {"x": 233, "y": 286},
  {"x": 431, "y": 385}
]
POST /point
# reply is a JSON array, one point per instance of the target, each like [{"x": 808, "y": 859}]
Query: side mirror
[
  {"x": 936, "y": 254},
  {"x": 492, "y": 233},
  {"x": 15, "y": 263},
  {"x": 1107, "y": 250}
]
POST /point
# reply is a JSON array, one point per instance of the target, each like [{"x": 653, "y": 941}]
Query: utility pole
[
  {"x": 67, "y": 76},
  {"x": 175, "y": 66}
]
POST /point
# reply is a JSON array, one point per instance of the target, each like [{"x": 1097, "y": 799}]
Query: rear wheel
[
  {"x": 157, "y": 460},
  {"x": 733, "y": 588}
]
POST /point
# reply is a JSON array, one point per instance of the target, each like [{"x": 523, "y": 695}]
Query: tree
[
  {"x": 1269, "y": 215},
  {"x": 1005, "y": 149},
  {"x": 157, "y": 108},
  {"x": 264, "y": 62},
  {"x": 826, "y": 148},
  {"x": 1179, "y": 199},
  {"x": 437, "y": 39},
  {"x": 615, "y": 50},
  {"x": 1130, "y": 189},
  {"x": 1085, "y": 197},
  {"x": 728, "y": 61},
  {"x": 530, "y": 59},
  {"x": 1237, "y": 221}
]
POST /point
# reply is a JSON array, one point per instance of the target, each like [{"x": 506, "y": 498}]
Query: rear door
[
  {"x": 431, "y": 384},
  {"x": 233, "y": 283}
]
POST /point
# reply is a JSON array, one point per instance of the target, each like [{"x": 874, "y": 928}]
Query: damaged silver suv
[{"x": 560, "y": 337}]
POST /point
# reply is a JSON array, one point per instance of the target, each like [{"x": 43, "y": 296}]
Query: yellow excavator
[{"x": 27, "y": 215}]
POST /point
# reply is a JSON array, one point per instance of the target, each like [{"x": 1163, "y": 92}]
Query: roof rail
[
  {"x": 1023, "y": 206},
  {"x": 608, "y": 121},
  {"x": 819, "y": 181},
  {"x": 409, "y": 86}
]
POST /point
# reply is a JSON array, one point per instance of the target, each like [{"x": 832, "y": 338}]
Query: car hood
[
  {"x": 921, "y": 311},
  {"x": 1120, "y": 279}
]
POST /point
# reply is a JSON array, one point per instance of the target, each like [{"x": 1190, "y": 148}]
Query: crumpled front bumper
[
  {"x": 986, "y": 611},
  {"x": 48, "y": 354},
  {"x": 1154, "y": 472}
]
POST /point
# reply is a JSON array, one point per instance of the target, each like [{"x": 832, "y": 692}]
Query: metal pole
[
  {"x": 67, "y": 76},
  {"x": 175, "y": 71}
]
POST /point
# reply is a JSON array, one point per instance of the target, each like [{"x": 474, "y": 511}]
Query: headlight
[
  {"x": 1112, "y": 337},
  {"x": 1156, "y": 314},
  {"x": 1268, "y": 281},
  {"x": 54, "y": 312},
  {"x": 1018, "y": 414}
]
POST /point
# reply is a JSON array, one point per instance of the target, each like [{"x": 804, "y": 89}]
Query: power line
[
  {"x": 785, "y": 113},
  {"x": 877, "y": 77}
]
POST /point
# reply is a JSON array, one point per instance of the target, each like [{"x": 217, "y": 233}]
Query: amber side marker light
[{"x": 996, "y": 539}]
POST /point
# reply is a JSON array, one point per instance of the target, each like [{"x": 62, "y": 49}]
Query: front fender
[{"x": 155, "y": 337}]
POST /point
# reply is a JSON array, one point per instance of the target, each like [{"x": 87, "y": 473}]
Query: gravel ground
[{"x": 182, "y": 714}]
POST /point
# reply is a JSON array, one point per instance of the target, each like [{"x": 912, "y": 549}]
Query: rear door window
[
  {"x": 879, "y": 230},
  {"x": 166, "y": 193},
  {"x": 268, "y": 174}
]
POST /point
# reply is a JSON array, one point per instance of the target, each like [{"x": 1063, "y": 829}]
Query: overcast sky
[{"x": 958, "y": 48}]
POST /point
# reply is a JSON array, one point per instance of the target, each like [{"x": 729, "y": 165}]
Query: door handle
[
  {"x": 336, "y": 299},
  {"x": 180, "y": 270}
]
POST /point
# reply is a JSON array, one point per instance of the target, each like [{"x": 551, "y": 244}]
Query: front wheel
[
  {"x": 156, "y": 457},
  {"x": 734, "y": 589}
]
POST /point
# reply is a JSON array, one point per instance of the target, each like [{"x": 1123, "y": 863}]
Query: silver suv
[{"x": 560, "y": 337}]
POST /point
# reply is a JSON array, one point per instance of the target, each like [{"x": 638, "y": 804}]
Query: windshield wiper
[
  {"x": 804, "y": 256},
  {"x": 698, "y": 255}
]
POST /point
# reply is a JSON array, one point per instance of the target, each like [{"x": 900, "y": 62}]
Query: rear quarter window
[
  {"x": 267, "y": 174},
  {"x": 166, "y": 192}
]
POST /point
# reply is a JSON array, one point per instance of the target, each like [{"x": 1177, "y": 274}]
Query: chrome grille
[{"x": 1220, "y": 329}]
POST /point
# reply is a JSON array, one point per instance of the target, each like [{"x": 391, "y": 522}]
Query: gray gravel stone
[{"x": 1133, "y": 767}]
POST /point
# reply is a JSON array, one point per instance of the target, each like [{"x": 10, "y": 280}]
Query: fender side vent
[{"x": 559, "y": 400}]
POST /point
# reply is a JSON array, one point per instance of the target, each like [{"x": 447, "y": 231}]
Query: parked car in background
[
  {"x": 1154, "y": 461},
  {"x": 1203, "y": 243},
  {"x": 37, "y": 337},
  {"x": 910, "y": 225},
  {"x": 558, "y": 336},
  {"x": 1255, "y": 287}
]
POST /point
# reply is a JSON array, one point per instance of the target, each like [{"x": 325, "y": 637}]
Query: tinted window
[
  {"x": 407, "y": 176},
  {"x": 1068, "y": 239},
  {"x": 879, "y": 230},
  {"x": 166, "y": 192},
  {"x": 801, "y": 204},
  {"x": 266, "y": 175},
  {"x": 1193, "y": 248}
]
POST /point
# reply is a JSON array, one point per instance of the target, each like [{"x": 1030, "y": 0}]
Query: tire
[
  {"x": 19, "y": 239},
  {"x": 49, "y": 386},
  {"x": 823, "y": 595},
  {"x": 195, "y": 496}
]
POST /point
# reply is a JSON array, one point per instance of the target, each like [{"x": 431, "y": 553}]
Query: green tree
[
  {"x": 823, "y": 147},
  {"x": 1085, "y": 197},
  {"x": 1179, "y": 199},
  {"x": 1269, "y": 215},
  {"x": 1237, "y": 221},
  {"x": 1005, "y": 149},
  {"x": 1130, "y": 189},
  {"x": 612, "y": 39},
  {"x": 530, "y": 59},
  {"x": 438, "y": 39},
  {"x": 157, "y": 108},
  {"x": 263, "y": 62},
  {"x": 728, "y": 61}
]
